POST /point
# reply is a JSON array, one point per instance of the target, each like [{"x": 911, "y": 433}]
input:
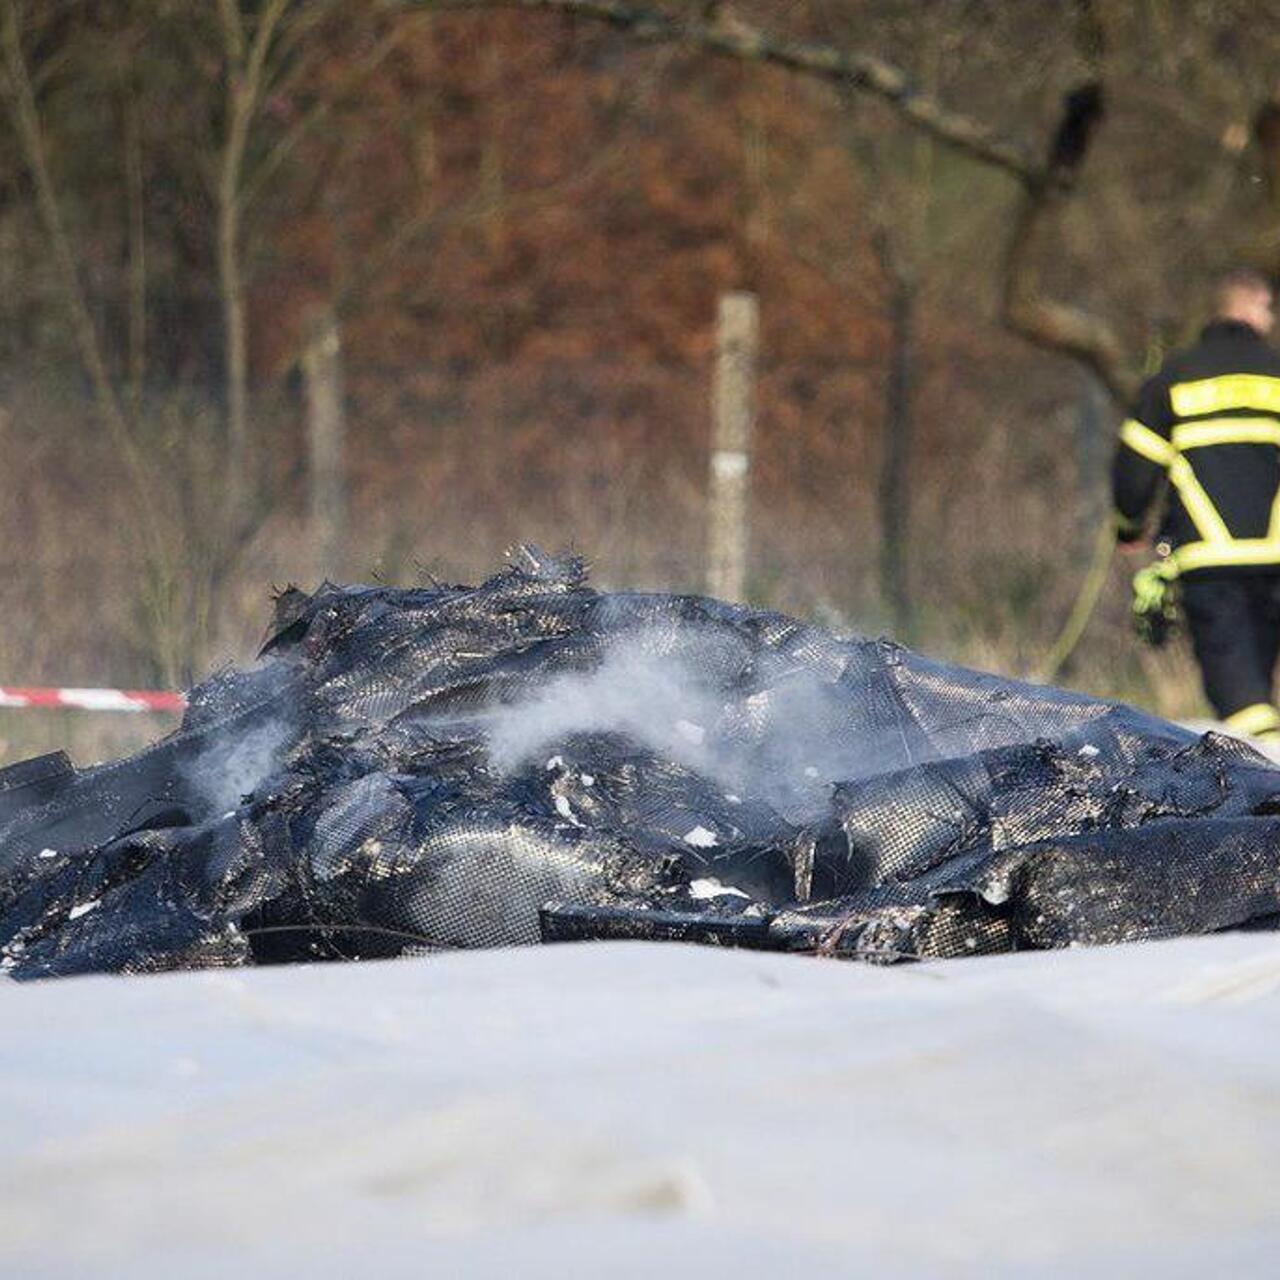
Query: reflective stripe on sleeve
[
  {"x": 1238, "y": 552},
  {"x": 1142, "y": 440},
  {"x": 1204, "y": 515}
]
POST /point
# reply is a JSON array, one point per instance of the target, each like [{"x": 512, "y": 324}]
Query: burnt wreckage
[{"x": 531, "y": 760}]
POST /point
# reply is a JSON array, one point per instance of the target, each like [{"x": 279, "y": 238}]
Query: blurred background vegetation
[{"x": 515, "y": 222}]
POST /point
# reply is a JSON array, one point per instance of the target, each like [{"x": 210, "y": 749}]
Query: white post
[{"x": 733, "y": 411}]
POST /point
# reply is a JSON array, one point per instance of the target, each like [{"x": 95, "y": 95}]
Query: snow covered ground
[{"x": 644, "y": 1110}]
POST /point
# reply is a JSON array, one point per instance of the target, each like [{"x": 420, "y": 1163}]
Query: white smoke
[
  {"x": 786, "y": 744},
  {"x": 656, "y": 699},
  {"x": 232, "y": 767}
]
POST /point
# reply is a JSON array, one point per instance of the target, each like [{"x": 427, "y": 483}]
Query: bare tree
[
  {"x": 246, "y": 51},
  {"x": 30, "y": 131},
  {"x": 1048, "y": 180}
]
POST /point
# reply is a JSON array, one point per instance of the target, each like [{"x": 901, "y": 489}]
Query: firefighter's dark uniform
[{"x": 1209, "y": 422}]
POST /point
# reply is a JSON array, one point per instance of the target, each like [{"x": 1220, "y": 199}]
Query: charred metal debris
[{"x": 531, "y": 760}]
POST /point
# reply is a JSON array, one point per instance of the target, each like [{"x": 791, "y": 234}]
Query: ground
[{"x": 633, "y": 1109}]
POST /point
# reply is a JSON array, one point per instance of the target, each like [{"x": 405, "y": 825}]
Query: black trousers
[{"x": 1234, "y": 621}]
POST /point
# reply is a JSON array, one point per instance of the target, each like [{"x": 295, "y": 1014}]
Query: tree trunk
[
  {"x": 895, "y": 474},
  {"x": 27, "y": 127},
  {"x": 231, "y": 288},
  {"x": 136, "y": 190},
  {"x": 246, "y": 71}
]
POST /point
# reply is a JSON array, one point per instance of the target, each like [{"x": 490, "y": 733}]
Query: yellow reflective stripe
[
  {"x": 1211, "y": 431},
  {"x": 1141, "y": 439},
  {"x": 1231, "y": 391},
  {"x": 1204, "y": 515},
  {"x": 1259, "y": 718},
  {"x": 1222, "y": 555}
]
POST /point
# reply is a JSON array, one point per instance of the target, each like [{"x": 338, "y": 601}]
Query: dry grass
[
  {"x": 86, "y": 736},
  {"x": 450, "y": 469}
]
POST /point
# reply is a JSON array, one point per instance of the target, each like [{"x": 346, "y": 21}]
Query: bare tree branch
[
  {"x": 135, "y": 195},
  {"x": 317, "y": 114},
  {"x": 31, "y": 136},
  {"x": 1055, "y": 326},
  {"x": 245, "y": 73},
  {"x": 157, "y": 550},
  {"x": 1058, "y": 326},
  {"x": 725, "y": 35},
  {"x": 232, "y": 28}
]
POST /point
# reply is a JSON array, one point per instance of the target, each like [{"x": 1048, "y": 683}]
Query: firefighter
[{"x": 1209, "y": 423}]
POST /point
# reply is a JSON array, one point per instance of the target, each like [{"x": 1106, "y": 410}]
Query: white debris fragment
[
  {"x": 565, "y": 810},
  {"x": 810, "y": 771},
  {"x": 48, "y": 853},
  {"x": 588, "y": 780},
  {"x": 691, "y": 732},
  {"x": 731, "y": 798},
  {"x": 701, "y": 838},
  {"x": 1088, "y": 751},
  {"x": 83, "y": 909},
  {"x": 711, "y": 888},
  {"x": 556, "y": 762}
]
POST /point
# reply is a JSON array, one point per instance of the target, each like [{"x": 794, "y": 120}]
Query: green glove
[{"x": 1155, "y": 602}]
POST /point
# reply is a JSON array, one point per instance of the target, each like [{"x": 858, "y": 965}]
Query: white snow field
[{"x": 633, "y": 1109}]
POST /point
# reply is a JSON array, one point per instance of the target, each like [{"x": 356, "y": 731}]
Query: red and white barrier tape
[{"x": 92, "y": 699}]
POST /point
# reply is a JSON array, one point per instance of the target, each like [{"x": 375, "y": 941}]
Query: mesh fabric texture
[{"x": 682, "y": 768}]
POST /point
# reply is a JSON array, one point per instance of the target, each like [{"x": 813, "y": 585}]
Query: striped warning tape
[{"x": 92, "y": 699}]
